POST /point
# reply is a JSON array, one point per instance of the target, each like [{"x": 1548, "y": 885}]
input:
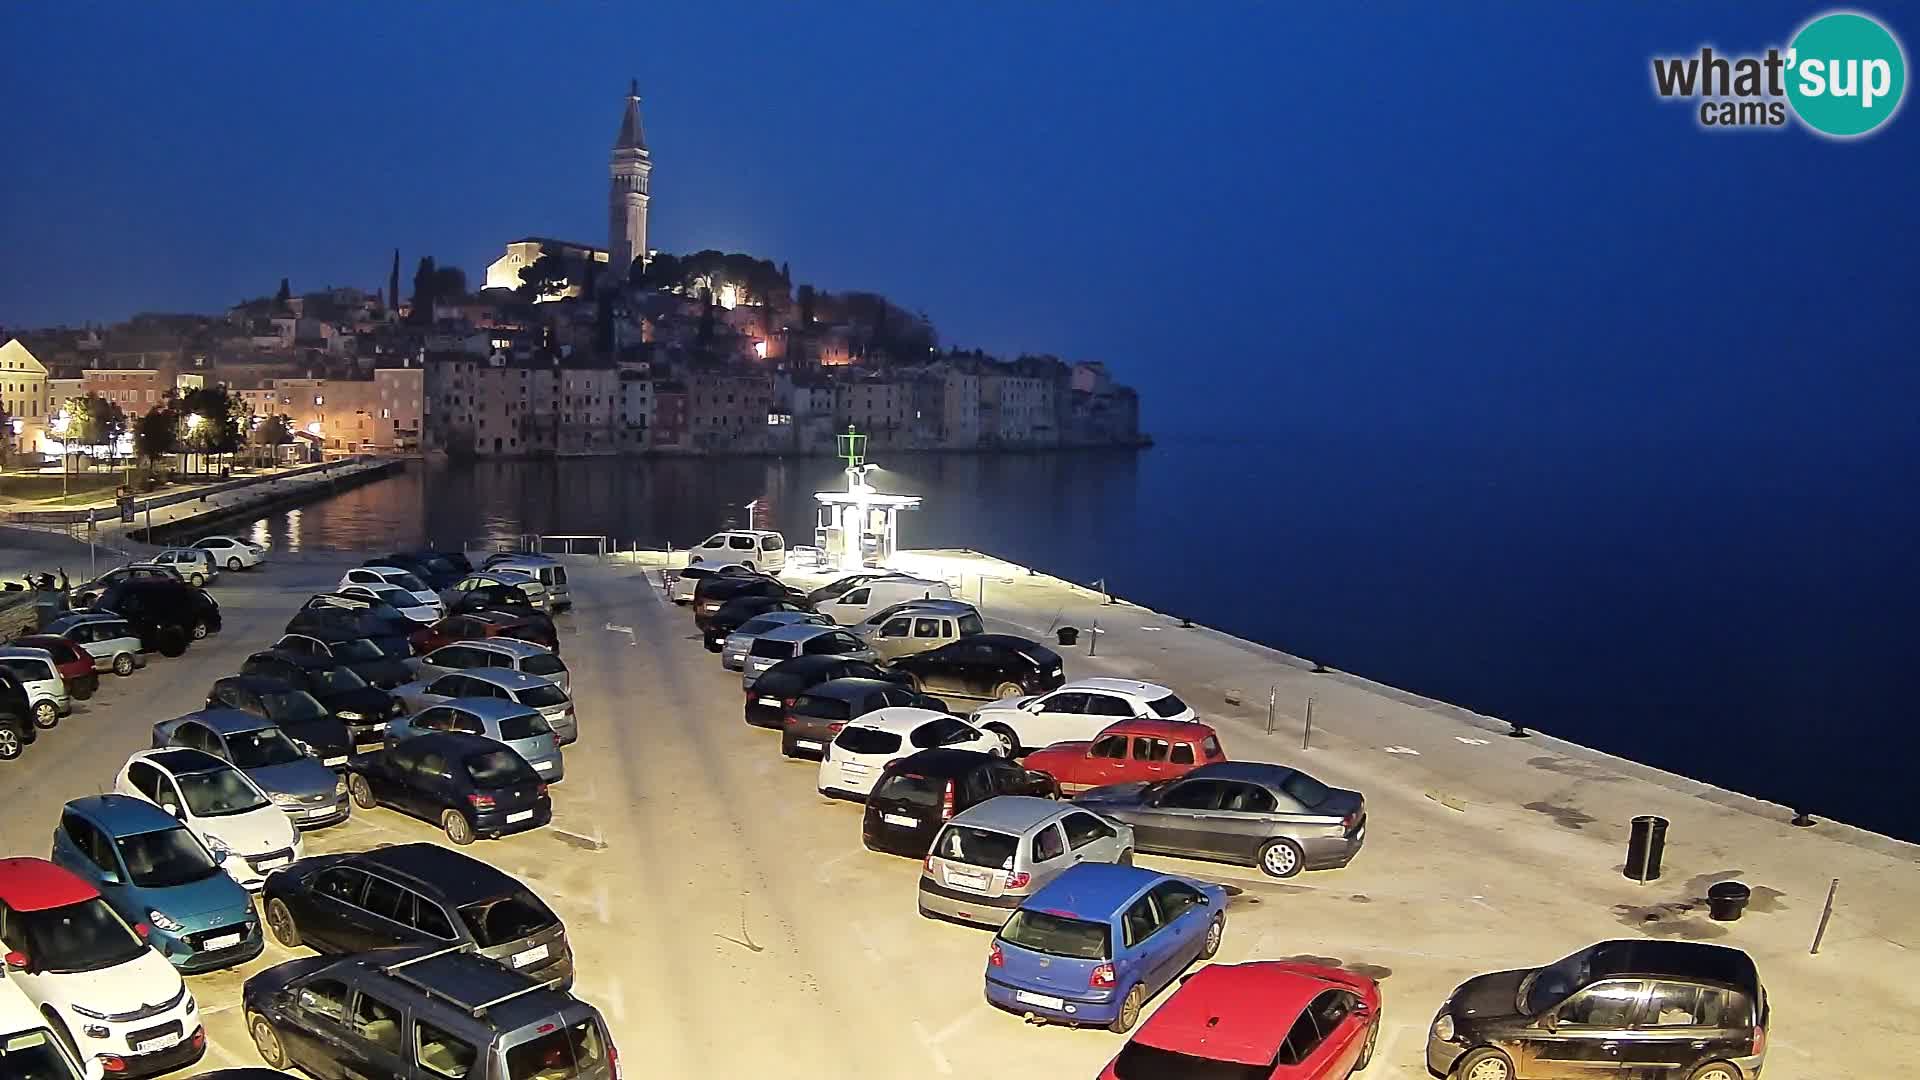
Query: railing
[{"x": 600, "y": 547}]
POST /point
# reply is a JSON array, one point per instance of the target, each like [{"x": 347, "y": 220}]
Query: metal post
[
  {"x": 1093, "y": 640},
  {"x": 1306, "y": 733},
  {"x": 1825, "y": 914},
  {"x": 1272, "y": 701},
  {"x": 980, "y": 594},
  {"x": 93, "y": 565}
]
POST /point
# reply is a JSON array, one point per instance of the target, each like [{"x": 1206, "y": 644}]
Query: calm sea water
[{"x": 1740, "y": 614}]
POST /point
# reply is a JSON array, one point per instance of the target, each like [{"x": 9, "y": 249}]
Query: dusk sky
[{"x": 1448, "y": 218}]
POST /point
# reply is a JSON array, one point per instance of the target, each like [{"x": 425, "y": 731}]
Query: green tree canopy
[
  {"x": 543, "y": 276},
  {"x": 156, "y": 434}
]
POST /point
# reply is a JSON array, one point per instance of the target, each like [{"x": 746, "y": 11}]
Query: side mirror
[
  {"x": 1549, "y": 1021},
  {"x": 174, "y": 809},
  {"x": 109, "y": 877},
  {"x": 18, "y": 961},
  {"x": 1205, "y": 900}
]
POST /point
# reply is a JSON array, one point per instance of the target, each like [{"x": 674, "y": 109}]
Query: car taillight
[
  {"x": 481, "y": 802},
  {"x": 834, "y": 729},
  {"x": 790, "y": 719},
  {"x": 142, "y": 929},
  {"x": 788, "y": 702},
  {"x": 540, "y": 791},
  {"x": 1350, "y": 821},
  {"x": 1019, "y": 881},
  {"x": 1759, "y": 1040},
  {"x": 613, "y": 1060},
  {"x": 1101, "y": 978},
  {"x": 994, "y": 957},
  {"x": 946, "y": 801}
]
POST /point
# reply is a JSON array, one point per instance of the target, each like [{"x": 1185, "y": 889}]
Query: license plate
[
  {"x": 543, "y": 766},
  {"x": 774, "y": 701},
  {"x": 537, "y": 953},
  {"x": 332, "y": 761},
  {"x": 1041, "y": 1000},
  {"x": 967, "y": 881},
  {"x": 805, "y": 744},
  {"x": 159, "y": 1043},
  {"x": 522, "y": 815},
  {"x": 900, "y": 819},
  {"x": 226, "y": 941},
  {"x": 320, "y": 811},
  {"x": 853, "y": 768},
  {"x": 274, "y": 864}
]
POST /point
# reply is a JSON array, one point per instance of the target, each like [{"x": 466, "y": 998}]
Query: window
[
  {"x": 1072, "y": 704},
  {"x": 1107, "y": 705},
  {"x": 430, "y": 919},
  {"x": 1193, "y": 795},
  {"x": 441, "y": 1053},
  {"x": 1183, "y": 753},
  {"x": 896, "y": 628},
  {"x": 1247, "y": 799},
  {"x": 1149, "y": 749},
  {"x": 324, "y": 998},
  {"x": 926, "y": 628},
  {"x": 1171, "y": 705},
  {"x": 1084, "y": 828},
  {"x": 388, "y": 900},
  {"x": 856, "y": 596},
  {"x": 1173, "y": 898},
  {"x": 1047, "y": 844},
  {"x": 1301, "y": 1040},
  {"x": 377, "y": 1022},
  {"x": 1140, "y": 921},
  {"x": 342, "y": 883},
  {"x": 1605, "y": 1005}
]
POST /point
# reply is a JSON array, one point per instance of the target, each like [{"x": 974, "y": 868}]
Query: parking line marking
[{"x": 940, "y": 1063}]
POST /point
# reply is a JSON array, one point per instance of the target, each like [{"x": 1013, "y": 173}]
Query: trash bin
[
  {"x": 1068, "y": 635},
  {"x": 1645, "y": 845},
  {"x": 1726, "y": 900}
]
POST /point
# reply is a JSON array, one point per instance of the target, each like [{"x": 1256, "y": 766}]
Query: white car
[
  {"x": 239, "y": 823},
  {"x": 30, "y": 1047},
  {"x": 854, "y": 759},
  {"x": 752, "y": 548},
  {"x": 390, "y": 575},
  {"x": 403, "y": 600},
  {"x": 1078, "y": 711},
  {"x": 681, "y": 584},
  {"x": 196, "y": 565},
  {"x": 100, "y": 986},
  {"x": 232, "y": 552}
]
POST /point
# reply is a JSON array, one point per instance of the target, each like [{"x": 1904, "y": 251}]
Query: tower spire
[{"x": 632, "y": 135}]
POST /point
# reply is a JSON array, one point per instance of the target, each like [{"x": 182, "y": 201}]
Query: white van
[
  {"x": 46, "y": 690},
  {"x": 763, "y": 551},
  {"x": 851, "y": 608},
  {"x": 547, "y": 571}
]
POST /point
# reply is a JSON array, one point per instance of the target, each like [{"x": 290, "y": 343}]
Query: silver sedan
[{"x": 733, "y": 653}]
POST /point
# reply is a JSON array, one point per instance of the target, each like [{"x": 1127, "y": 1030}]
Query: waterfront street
[{"x": 728, "y": 922}]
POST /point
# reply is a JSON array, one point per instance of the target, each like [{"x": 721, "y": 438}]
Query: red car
[
  {"x": 1268, "y": 1020},
  {"x": 484, "y": 624},
  {"x": 71, "y": 661},
  {"x": 1129, "y": 751}
]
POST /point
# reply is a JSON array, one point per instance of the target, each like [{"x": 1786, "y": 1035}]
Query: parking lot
[{"x": 727, "y": 920}]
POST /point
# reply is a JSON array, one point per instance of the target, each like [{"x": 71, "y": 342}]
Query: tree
[
  {"x": 542, "y": 277},
  {"x": 449, "y": 283},
  {"x": 663, "y": 274},
  {"x": 806, "y": 305},
  {"x": 274, "y": 430},
  {"x": 157, "y": 434},
  {"x": 422, "y": 314},
  {"x": 285, "y": 294},
  {"x": 215, "y": 422},
  {"x": 93, "y": 422},
  {"x": 393, "y": 283}
]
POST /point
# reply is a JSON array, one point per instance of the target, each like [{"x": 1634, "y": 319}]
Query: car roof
[
  {"x": 1681, "y": 959},
  {"x": 933, "y": 606},
  {"x": 899, "y": 719},
  {"x": 123, "y": 815},
  {"x": 68, "y": 622},
  {"x": 510, "y": 646},
  {"x": 745, "y": 532},
  {"x": 453, "y": 743},
  {"x": 1005, "y": 641},
  {"x": 1119, "y": 686},
  {"x": 789, "y": 618},
  {"x": 460, "y": 878},
  {"x": 21, "y": 652},
  {"x": 505, "y": 678},
  {"x": 1235, "y": 1012},
  {"x": 183, "y": 759},
  {"x": 1011, "y": 813},
  {"x": 305, "y": 661},
  {"x": 848, "y": 688},
  {"x": 226, "y": 721},
  {"x": 493, "y": 708},
  {"x": 799, "y": 632},
  {"x": 469, "y": 981},
  {"x": 264, "y": 684},
  {"x": 941, "y": 762},
  {"x": 1258, "y": 772},
  {"x": 1189, "y": 730},
  {"x": 1096, "y": 890},
  {"x": 29, "y": 884}
]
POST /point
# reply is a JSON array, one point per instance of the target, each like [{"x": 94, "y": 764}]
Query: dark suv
[
  {"x": 422, "y": 1013},
  {"x": 16, "y": 719},
  {"x": 1626, "y": 1008},
  {"x": 289, "y": 708},
  {"x": 416, "y": 894},
  {"x": 779, "y": 685},
  {"x": 364, "y": 709},
  {"x": 166, "y": 614},
  {"x": 809, "y": 721},
  {"x": 919, "y": 793}
]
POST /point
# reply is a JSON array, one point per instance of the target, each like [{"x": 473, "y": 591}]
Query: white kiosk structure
[{"x": 858, "y": 527}]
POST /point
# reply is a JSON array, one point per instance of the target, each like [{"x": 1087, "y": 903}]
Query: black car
[
  {"x": 734, "y": 614},
  {"x": 17, "y": 730},
  {"x": 713, "y": 593},
  {"x": 779, "y": 685},
  {"x": 425, "y": 1012},
  {"x": 915, "y": 795},
  {"x": 367, "y": 616},
  {"x": 166, "y": 614},
  {"x": 437, "y": 572},
  {"x": 381, "y": 660},
  {"x": 1619, "y": 1008},
  {"x": 456, "y": 559},
  {"x": 469, "y": 784},
  {"x": 416, "y": 894},
  {"x": 288, "y": 707},
  {"x": 987, "y": 666},
  {"x": 362, "y": 708},
  {"x": 810, "y": 721},
  {"x": 88, "y": 593},
  {"x": 493, "y": 598}
]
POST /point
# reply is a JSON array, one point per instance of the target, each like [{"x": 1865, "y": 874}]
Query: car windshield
[
  {"x": 1305, "y": 790},
  {"x": 391, "y": 646},
  {"x": 1549, "y": 986},
  {"x": 977, "y": 847},
  {"x": 970, "y": 625},
  {"x": 544, "y": 696},
  {"x": 218, "y": 792},
  {"x": 507, "y": 918},
  {"x": 1138, "y": 1061},
  {"x": 823, "y": 708},
  {"x": 265, "y": 746},
  {"x": 558, "y": 1055},
  {"x": 524, "y": 726},
  {"x": 1057, "y": 935},
  {"x": 498, "y": 769},
  {"x": 866, "y": 740},
  {"x": 292, "y": 706},
  {"x": 334, "y": 680},
  {"x": 355, "y": 650},
  {"x": 543, "y": 664},
  {"x": 1171, "y": 705},
  {"x": 164, "y": 859},
  {"x": 759, "y": 626},
  {"x": 406, "y": 581},
  {"x": 31, "y": 1055},
  {"x": 912, "y": 788},
  {"x": 86, "y": 936}
]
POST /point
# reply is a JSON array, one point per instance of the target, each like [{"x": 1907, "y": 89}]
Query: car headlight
[
  {"x": 339, "y": 786},
  {"x": 281, "y": 798},
  {"x": 95, "y": 1031},
  {"x": 349, "y": 714},
  {"x": 218, "y": 846},
  {"x": 1443, "y": 1027},
  {"x": 304, "y": 747},
  {"x": 160, "y": 921}
]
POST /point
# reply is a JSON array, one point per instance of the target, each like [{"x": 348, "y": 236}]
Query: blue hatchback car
[
  {"x": 1097, "y": 942},
  {"x": 156, "y": 873}
]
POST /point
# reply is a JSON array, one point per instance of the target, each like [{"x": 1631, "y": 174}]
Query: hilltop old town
[{"x": 563, "y": 349}]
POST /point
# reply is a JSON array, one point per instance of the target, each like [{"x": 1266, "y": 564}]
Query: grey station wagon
[{"x": 992, "y": 857}]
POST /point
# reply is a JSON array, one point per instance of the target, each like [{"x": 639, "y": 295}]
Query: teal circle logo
[{"x": 1846, "y": 74}]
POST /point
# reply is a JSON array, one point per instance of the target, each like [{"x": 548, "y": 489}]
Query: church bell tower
[{"x": 627, "y": 195}]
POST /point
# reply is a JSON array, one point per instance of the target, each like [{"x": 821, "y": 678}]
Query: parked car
[
  {"x": 542, "y": 568},
  {"x": 858, "y": 604},
  {"x": 853, "y": 761},
  {"x": 518, "y": 726},
  {"x": 1128, "y": 752},
  {"x": 751, "y": 548},
  {"x": 109, "y": 639},
  {"x": 788, "y": 642},
  {"x": 1249, "y": 812},
  {"x": 537, "y": 595},
  {"x": 245, "y": 832},
  {"x": 434, "y": 568},
  {"x": 1269, "y": 1018},
  {"x": 17, "y": 730},
  {"x": 813, "y": 718},
  {"x": 739, "y": 611},
  {"x": 400, "y": 600},
  {"x": 165, "y": 614},
  {"x": 30, "y": 1050},
  {"x": 359, "y": 616},
  {"x": 919, "y": 626},
  {"x": 918, "y": 794},
  {"x": 312, "y": 727},
  {"x": 196, "y": 565},
  {"x": 422, "y": 595},
  {"x": 1078, "y": 710},
  {"x": 992, "y": 856},
  {"x": 47, "y": 697},
  {"x": 233, "y": 552},
  {"x": 381, "y": 661},
  {"x": 528, "y": 691},
  {"x": 104, "y": 991},
  {"x": 152, "y": 869},
  {"x": 713, "y": 593},
  {"x": 1684, "y": 1008},
  {"x": 989, "y": 666},
  {"x": 733, "y": 650},
  {"x": 426, "y": 1013},
  {"x": 780, "y": 685},
  {"x": 511, "y": 654},
  {"x": 87, "y": 594},
  {"x": 1099, "y": 942},
  {"x": 362, "y": 710},
  {"x": 74, "y": 664},
  {"x": 478, "y": 625},
  {"x": 508, "y": 598},
  {"x": 472, "y": 786},
  {"x": 841, "y": 584},
  {"x": 682, "y": 583},
  {"x": 298, "y": 783},
  {"x": 416, "y": 894}
]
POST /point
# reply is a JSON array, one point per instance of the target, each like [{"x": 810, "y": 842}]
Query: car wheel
[
  {"x": 10, "y": 742},
  {"x": 1715, "y": 1070},
  {"x": 280, "y": 921},
  {"x": 196, "y": 579},
  {"x": 1004, "y": 746},
  {"x": 267, "y": 1041},
  {"x": 46, "y": 715},
  {"x": 1485, "y": 1063},
  {"x": 81, "y": 692},
  {"x": 200, "y": 630},
  {"x": 1281, "y": 858},
  {"x": 1007, "y": 736},
  {"x": 233, "y": 563},
  {"x": 749, "y": 565},
  {"x": 360, "y": 791},
  {"x": 1366, "y": 1052},
  {"x": 914, "y": 684},
  {"x": 1215, "y": 930},
  {"x": 1129, "y": 1010},
  {"x": 459, "y": 829},
  {"x": 123, "y": 665},
  {"x": 1007, "y": 690},
  {"x": 172, "y": 641}
]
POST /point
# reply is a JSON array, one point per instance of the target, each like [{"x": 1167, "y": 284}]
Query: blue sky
[{"x": 1406, "y": 218}]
